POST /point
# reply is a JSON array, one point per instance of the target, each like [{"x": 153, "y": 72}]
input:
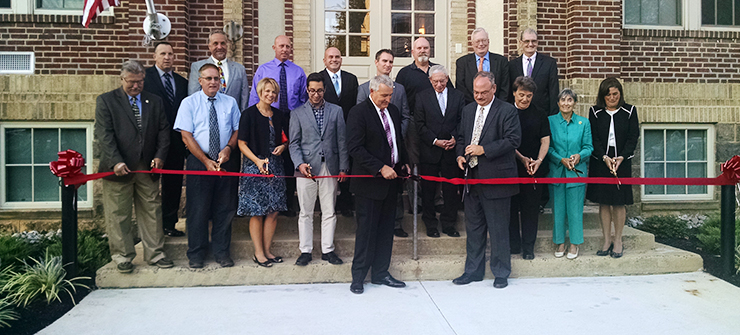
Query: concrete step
[{"x": 661, "y": 259}]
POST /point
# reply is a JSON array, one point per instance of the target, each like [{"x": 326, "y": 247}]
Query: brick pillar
[
  {"x": 593, "y": 35},
  {"x": 526, "y": 17},
  {"x": 233, "y": 12}
]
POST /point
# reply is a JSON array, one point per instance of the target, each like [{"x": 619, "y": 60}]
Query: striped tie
[
  {"x": 169, "y": 89},
  {"x": 137, "y": 112},
  {"x": 529, "y": 67},
  {"x": 388, "y": 134},
  {"x": 283, "y": 98}
]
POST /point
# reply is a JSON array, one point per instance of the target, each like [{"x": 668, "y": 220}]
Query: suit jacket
[
  {"x": 119, "y": 139},
  {"x": 569, "y": 139},
  {"x": 306, "y": 142},
  {"x": 153, "y": 84},
  {"x": 431, "y": 124},
  {"x": 500, "y": 137},
  {"x": 237, "y": 86},
  {"x": 348, "y": 98},
  {"x": 368, "y": 146},
  {"x": 467, "y": 68},
  {"x": 545, "y": 75},
  {"x": 398, "y": 99}
]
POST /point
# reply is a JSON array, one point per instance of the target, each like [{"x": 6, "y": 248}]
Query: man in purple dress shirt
[{"x": 292, "y": 81}]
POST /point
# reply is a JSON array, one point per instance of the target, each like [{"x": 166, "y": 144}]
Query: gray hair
[
  {"x": 568, "y": 92},
  {"x": 131, "y": 66},
  {"x": 487, "y": 75},
  {"x": 378, "y": 80},
  {"x": 476, "y": 31},
  {"x": 528, "y": 31},
  {"x": 437, "y": 69},
  {"x": 217, "y": 32}
]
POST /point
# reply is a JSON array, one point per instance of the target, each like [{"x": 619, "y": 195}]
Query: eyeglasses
[
  {"x": 529, "y": 41},
  {"x": 319, "y": 91},
  {"x": 134, "y": 82},
  {"x": 211, "y": 78}
]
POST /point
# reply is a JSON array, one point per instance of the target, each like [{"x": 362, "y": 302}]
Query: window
[
  {"x": 17, "y": 62},
  {"x": 720, "y": 12},
  {"x": 59, "y": 4},
  {"x": 45, "y": 7},
  {"x": 682, "y": 14},
  {"x": 652, "y": 12},
  {"x": 27, "y": 150},
  {"x": 411, "y": 19},
  {"x": 347, "y": 26},
  {"x": 677, "y": 151},
  {"x": 5, "y": 4}
]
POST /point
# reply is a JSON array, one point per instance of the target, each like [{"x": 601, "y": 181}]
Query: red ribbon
[
  {"x": 731, "y": 170},
  {"x": 69, "y": 165}
]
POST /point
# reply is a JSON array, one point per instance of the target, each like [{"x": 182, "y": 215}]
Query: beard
[{"x": 423, "y": 59}]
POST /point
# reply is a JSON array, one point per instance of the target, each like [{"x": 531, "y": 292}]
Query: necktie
[
  {"x": 442, "y": 102},
  {"x": 223, "y": 79},
  {"x": 214, "y": 140},
  {"x": 169, "y": 89},
  {"x": 137, "y": 112},
  {"x": 388, "y": 134},
  {"x": 480, "y": 64},
  {"x": 283, "y": 90},
  {"x": 337, "y": 87},
  {"x": 529, "y": 67},
  {"x": 477, "y": 129}
]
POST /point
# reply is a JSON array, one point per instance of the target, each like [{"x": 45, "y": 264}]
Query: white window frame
[
  {"x": 29, "y": 71},
  {"x": 88, "y": 126},
  {"x": 710, "y": 161},
  {"x": 691, "y": 19},
  {"x": 29, "y": 7}
]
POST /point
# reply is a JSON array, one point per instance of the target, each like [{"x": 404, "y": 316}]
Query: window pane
[
  {"x": 737, "y": 13},
  {"x": 401, "y": 23},
  {"x": 45, "y": 145},
  {"x": 424, "y": 5},
  {"x": 697, "y": 145},
  {"x": 401, "y": 5},
  {"x": 335, "y": 22},
  {"x": 359, "y": 22},
  {"x": 17, "y": 146},
  {"x": 697, "y": 170},
  {"x": 424, "y": 24},
  {"x": 339, "y": 42},
  {"x": 675, "y": 148},
  {"x": 4, "y": 3},
  {"x": 654, "y": 170},
  {"x": 707, "y": 12},
  {"x": 724, "y": 12},
  {"x": 59, "y": 4},
  {"x": 359, "y": 45},
  {"x": 334, "y": 4},
  {"x": 18, "y": 181},
  {"x": 401, "y": 46},
  {"x": 668, "y": 11},
  {"x": 75, "y": 139},
  {"x": 45, "y": 184},
  {"x": 359, "y": 4},
  {"x": 632, "y": 11},
  {"x": 675, "y": 170},
  {"x": 82, "y": 193},
  {"x": 649, "y": 12},
  {"x": 653, "y": 143}
]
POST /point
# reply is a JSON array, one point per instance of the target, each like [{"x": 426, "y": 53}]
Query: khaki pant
[
  {"x": 308, "y": 190},
  {"x": 118, "y": 197}
]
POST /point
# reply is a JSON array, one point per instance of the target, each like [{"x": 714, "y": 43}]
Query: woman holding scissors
[
  {"x": 569, "y": 147},
  {"x": 615, "y": 130},
  {"x": 261, "y": 141}
]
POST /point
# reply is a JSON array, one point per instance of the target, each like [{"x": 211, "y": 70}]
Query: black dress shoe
[
  {"x": 332, "y": 258},
  {"x": 389, "y": 281},
  {"x": 225, "y": 262},
  {"x": 465, "y": 279},
  {"x": 400, "y": 233},
  {"x": 303, "y": 259},
  {"x": 606, "y": 252},
  {"x": 195, "y": 264},
  {"x": 432, "y": 232},
  {"x": 357, "y": 288},
  {"x": 347, "y": 213},
  {"x": 528, "y": 255},
  {"x": 451, "y": 232},
  {"x": 289, "y": 214},
  {"x": 173, "y": 233},
  {"x": 500, "y": 282}
]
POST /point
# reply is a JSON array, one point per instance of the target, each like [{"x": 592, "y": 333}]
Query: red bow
[
  {"x": 70, "y": 164},
  {"x": 731, "y": 169}
]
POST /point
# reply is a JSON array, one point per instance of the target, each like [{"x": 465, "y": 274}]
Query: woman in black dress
[
  {"x": 261, "y": 142},
  {"x": 615, "y": 129}
]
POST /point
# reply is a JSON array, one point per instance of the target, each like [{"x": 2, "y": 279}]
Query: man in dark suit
[
  {"x": 482, "y": 60},
  {"x": 489, "y": 134},
  {"x": 133, "y": 134},
  {"x": 436, "y": 117},
  {"x": 340, "y": 89},
  {"x": 375, "y": 143},
  {"x": 172, "y": 88},
  {"x": 541, "y": 68}
]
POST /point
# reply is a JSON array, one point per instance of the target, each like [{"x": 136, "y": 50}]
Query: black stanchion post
[
  {"x": 727, "y": 230},
  {"x": 69, "y": 230}
]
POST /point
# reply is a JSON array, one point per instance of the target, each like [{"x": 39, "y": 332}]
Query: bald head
[
  {"x": 332, "y": 59},
  {"x": 421, "y": 51},
  {"x": 283, "y": 48}
]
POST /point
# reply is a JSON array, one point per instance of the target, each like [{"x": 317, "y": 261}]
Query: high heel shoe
[
  {"x": 573, "y": 256},
  {"x": 276, "y": 259},
  {"x": 605, "y": 252},
  {"x": 559, "y": 253},
  {"x": 617, "y": 254},
  {"x": 266, "y": 263}
]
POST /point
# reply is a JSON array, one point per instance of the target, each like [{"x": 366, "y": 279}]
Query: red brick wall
[
  {"x": 552, "y": 17},
  {"x": 250, "y": 41},
  {"x": 471, "y": 22},
  {"x": 593, "y": 36}
]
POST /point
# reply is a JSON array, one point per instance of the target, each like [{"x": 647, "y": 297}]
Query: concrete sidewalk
[{"x": 686, "y": 303}]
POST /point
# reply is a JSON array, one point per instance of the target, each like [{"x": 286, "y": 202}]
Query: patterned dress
[{"x": 258, "y": 195}]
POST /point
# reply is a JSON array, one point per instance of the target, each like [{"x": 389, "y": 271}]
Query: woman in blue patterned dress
[{"x": 261, "y": 141}]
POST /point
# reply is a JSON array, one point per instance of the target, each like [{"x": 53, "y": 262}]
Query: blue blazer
[{"x": 569, "y": 138}]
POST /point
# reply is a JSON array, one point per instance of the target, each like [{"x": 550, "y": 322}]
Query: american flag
[{"x": 94, "y": 7}]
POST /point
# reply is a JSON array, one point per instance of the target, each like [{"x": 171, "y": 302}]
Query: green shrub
[
  {"x": 14, "y": 250},
  {"x": 44, "y": 279},
  {"x": 92, "y": 250},
  {"x": 709, "y": 234},
  {"x": 7, "y": 313},
  {"x": 664, "y": 226}
]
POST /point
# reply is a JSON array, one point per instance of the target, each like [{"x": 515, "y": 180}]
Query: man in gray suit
[
  {"x": 317, "y": 147},
  {"x": 384, "y": 64},
  {"x": 133, "y": 134},
  {"x": 488, "y": 135},
  {"x": 234, "y": 81}
]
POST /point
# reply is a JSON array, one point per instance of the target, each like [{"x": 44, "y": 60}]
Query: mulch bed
[{"x": 712, "y": 263}]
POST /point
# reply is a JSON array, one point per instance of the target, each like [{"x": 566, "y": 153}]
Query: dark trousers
[
  {"x": 209, "y": 198},
  {"x": 172, "y": 185},
  {"x": 344, "y": 199},
  {"x": 482, "y": 217},
  {"x": 289, "y": 182},
  {"x": 374, "y": 236},
  {"x": 524, "y": 209},
  {"x": 448, "y": 216}
]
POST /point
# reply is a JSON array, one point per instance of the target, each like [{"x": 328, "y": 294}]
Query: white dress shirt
[
  {"x": 339, "y": 78},
  {"x": 525, "y": 62}
]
